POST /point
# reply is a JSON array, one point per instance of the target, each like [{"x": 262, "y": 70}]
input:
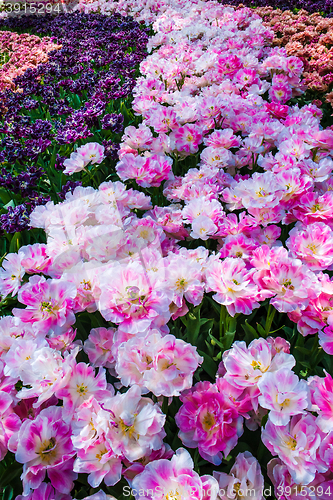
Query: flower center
[
  {"x": 133, "y": 292},
  {"x": 99, "y": 455},
  {"x": 291, "y": 443},
  {"x": 288, "y": 284},
  {"x": 173, "y": 495},
  {"x": 312, "y": 247},
  {"x": 129, "y": 430},
  {"x": 86, "y": 285},
  {"x": 285, "y": 403},
  {"x": 181, "y": 283},
  {"x": 261, "y": 193},
  {"x": 315, "y": 208},
  {"x": 47, "y": 450},
  {"x": 46, "y": 306},
  {"x": 237, "y": 487},
  {"x": 82, "y": 389},
  {"x": 208, "y": 421},
  {"x": 144, "y": 234}
]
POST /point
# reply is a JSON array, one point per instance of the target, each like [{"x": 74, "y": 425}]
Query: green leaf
[
  {"x": 216, "y": 306},
  {"x": 15, "y": 243},
  {"x": 306, "y": 364},
  {"x": 165, "y": 405},
  {"x": 210, "y": 349},
  {"x": 77, "y": 101},
  {"x": 10, "y": 204},
  {"x": 303, "y": 350},
  {"x": 7, "y": 493},
  {"x": 218, "y": 357},
  {"x": 2, "y": 258},
  {"x": 53, "y": 157},
  {"x": 209, "y": 364},
  {"x": 83, "y": 492},
  {"x": 264, "y": 420},
  {"x": 127, "y": 116},
  {"x": 228, "y": 339},
  {"x": 11, "y": 472},
  {"x": 5, "y": 197},
  {"x": 261, "y": 330},
  {"x": 250, "y": 332},
  {"x": 193, "y": 324},
  {"x": 214, "y": 341},
  {"x": 230, "y": 332}
]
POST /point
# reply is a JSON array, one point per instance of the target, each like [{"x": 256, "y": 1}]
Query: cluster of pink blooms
[
  {"x": 133, "y": 271},
  {"x": 99, "y": 256},
  {"x": 22, "y": 52},
  {"x": 202, "y": 94},
  {"x": 109, "y": 250},
  {"x": 90, "y": 153},
  {"x": 258, "y": 378}
]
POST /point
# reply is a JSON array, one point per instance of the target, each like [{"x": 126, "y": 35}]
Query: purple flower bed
[{"x": 77, "y": 95}]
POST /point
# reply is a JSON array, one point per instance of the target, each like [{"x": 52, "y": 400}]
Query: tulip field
[{"x": 166, "y": 250}]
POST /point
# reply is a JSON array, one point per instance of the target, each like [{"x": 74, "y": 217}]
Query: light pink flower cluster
[
  {"x": 161, "y": 365},
  {"x": 146, "y": 170},
  {"x": 174, "y": 478},
  {"x": 122, "y": 427},
  {"x": 245, "y": 476},
  {"x": 44, "y": 445},
  {"x": 29, "y": 259},
  {"x": 286, "y": 489},
  {"x": 297, "y": 444},
  {"x": 294, "y": 183},
  {"x": 158, "y": 363},
  {"x": 304, "y": 444},
  {"x": 90, "y": 153},
  {"x": 302, "y": 441},
  {"x": 257, "y": 372},
  {"x": 313, "y": 245},
  {"x": 49, "y": 303},
  {"x": 234, "y": 285},
  {"x": 283, "y": 394}
]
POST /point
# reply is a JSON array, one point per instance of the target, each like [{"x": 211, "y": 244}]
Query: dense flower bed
[
  {"x": 172, "y": 339},
  {"x": 323, "y": 6},
  {"x": 79, "y": 94},
  {"x": 21, "y": 52},
  {"x": 310, "y": 39},
  {"x": 140, "y": 10}
]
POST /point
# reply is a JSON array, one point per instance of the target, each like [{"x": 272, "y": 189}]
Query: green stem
[
  {"x": 156, "y": 194},
  {"x": 53, "y": 187},
  {"x": 222, "y": 321},
  {"x": 196, "y": 459},
  {"x": 165, "y": 405},
  {"x": 176, "y": 164},
  {"x": 270, "y": 317},
  {"x": 91, "y": 177}
]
